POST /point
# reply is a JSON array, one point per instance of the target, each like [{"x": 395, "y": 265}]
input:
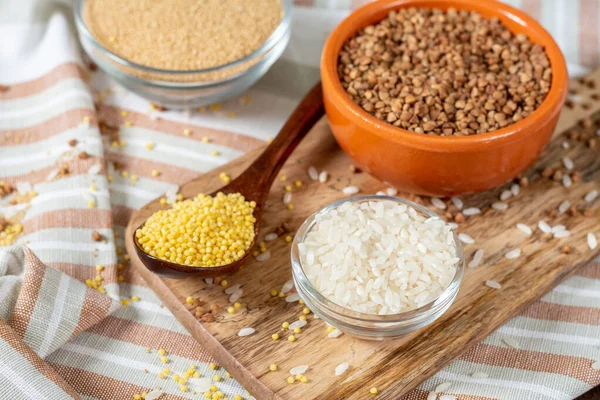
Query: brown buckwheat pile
[{"x": 444, "y": 73}]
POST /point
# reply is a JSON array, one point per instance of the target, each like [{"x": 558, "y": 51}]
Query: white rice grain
[
  {"x": 287, "y": 198},
  {"x": 505, "y": 195},
  {"x": 289, "y": 285},
  {"x": 564, "y": 206},
  {"x": 350, "y": 190},
  {"x": 391, "y": 191},
  {"x": 236, "y": 296},
  {"x": 313, "y": 174},
  {"x": 232, "y": 289},
  {"x": 477, "y": 257},
  {"x": 438, "y": 203},
  {"x": 292, "y": 298},
  {"x": 493, "y": 284},
  {"x": 323, "y": 176},
  {"x": 592, "y": 241},
  {"x": 381, "y": 193},
  {"x": 471, "y": 211},
  {"x": 442, "y": 387},
  {"x": 565, "y": 145},
  {"x": 463, "y": 237},
  {"x": 297, "y": 324},
  {"x": 596, "y": 365},
  {"x": 154, "y": 394},
  {"x": 500, "y": 206},
  {"x": 300, "y": 369},
  {"x": 209, "y": 281},
  {"x": 590, "y": 196},
  {"x": 511, "y": 343},
  {"x": 479, "y": 375},
  {"x": 568, "y": 163},
  {"x": 562, "y": 234},
  {"x": 515, "y": 189},
  {"x": 544, "y": 227},
  {"x": 334, "y": 334},
  {"x": 525, "y": 229},
  {"x": 246, "y": 332},
  {"x": 341, "y": 368},
  {"x": 458, "y": 203},
  {"x": 269, "y": 237},
  {"x": 263, "y": 256},
  {"x": 511, "y": 255},
  {"x": 432, "y": 396},
  {"x": 567, "y": 181}
]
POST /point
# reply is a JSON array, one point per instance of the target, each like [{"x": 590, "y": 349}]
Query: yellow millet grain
[
  {"x": 202, "y": 232},
  {"x": 182, "y": 35}
]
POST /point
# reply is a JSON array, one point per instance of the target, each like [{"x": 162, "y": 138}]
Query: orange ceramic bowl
[{"x": 440, "y": 165}]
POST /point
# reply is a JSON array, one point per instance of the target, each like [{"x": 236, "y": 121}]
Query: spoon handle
[{"x": 265, "y": 168}]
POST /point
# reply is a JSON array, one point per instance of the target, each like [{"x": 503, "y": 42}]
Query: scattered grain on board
[
  {"x": 458, "y": 203},
  {"x": 341, "y": 368},
  {"x": 300, "y": 369},
  {"x": 246, "y": 332},
  {"x": 336, "y": 333},
  {"x": 438, "y": 203},
  {"x": 515, "y": 189},
  {"x": 564, "y": 206},
  {"x": 544, "y": 227},
  {"x": 463, "y": 237},
  {"x": 471, "y": 211},
  {"x": 592, "y": 242},
  {"x": 499, "y": 206},
  {"x": 590, "y": 196},
  {"x": 512, "y": 254},
  {"x": 476, "y": 260},
  {"x": 292, "y": 298},
  {"x": 350, "y": 190},
  {"x": 568, "y": 163},
  {"x": 505, "y": 195},
  {"x": 323, "y": 176},
  {"x": 493, "y": 284},
  {"x": 524, "y": 228},
  {"x": 567, "y": 181},
  {"x": 313, "y": 174}
]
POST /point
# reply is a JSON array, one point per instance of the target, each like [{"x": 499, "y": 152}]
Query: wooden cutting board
[{"x": 396, "y": 366}]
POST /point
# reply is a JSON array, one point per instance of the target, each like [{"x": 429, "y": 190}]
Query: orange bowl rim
[{"x": 357, "y": 19}]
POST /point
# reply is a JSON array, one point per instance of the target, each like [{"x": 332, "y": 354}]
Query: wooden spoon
[{"x": 254, "y": 184}]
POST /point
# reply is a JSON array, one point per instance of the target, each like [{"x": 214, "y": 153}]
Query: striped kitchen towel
[{"x": 78, "y": 322}]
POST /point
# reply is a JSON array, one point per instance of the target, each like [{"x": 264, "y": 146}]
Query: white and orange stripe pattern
[{"x": 61, "y": 339}]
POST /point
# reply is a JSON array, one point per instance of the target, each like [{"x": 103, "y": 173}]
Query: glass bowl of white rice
[{"x": 376, "y": 267}]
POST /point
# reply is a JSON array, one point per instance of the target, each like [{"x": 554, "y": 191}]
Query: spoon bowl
[{"x": 254, "y": 184}]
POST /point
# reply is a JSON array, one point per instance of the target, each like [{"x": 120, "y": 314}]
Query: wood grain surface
[{"x": 396, "y": 366}]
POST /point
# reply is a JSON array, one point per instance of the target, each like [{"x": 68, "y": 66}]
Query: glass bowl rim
[
  {"x": 278, "y": 34},
  {"x": 448, "y": 294}
]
